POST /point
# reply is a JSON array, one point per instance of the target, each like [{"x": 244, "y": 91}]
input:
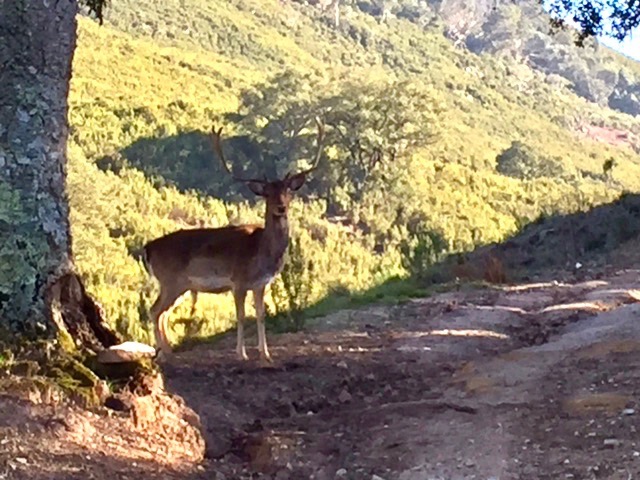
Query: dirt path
[{"x": 527, "y": 382}]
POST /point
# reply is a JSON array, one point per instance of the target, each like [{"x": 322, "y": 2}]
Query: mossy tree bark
[{"x": 39, "y": 291}]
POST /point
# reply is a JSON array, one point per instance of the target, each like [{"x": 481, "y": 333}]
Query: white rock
[
  {"x": 344, "y": 396},
  {"x": 126, "y": 352},
  {"x": 611, "y": 442}
]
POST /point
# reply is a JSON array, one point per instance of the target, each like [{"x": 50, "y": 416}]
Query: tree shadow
[
  {"x": 560, "y": 245},
  {"x": 570, "y": 246},
  {"x": 262, "y": 417},
  {"x": 187, "y": 162}
]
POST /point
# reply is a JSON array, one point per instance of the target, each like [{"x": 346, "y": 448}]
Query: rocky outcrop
[{"x": 522, "y": 31}]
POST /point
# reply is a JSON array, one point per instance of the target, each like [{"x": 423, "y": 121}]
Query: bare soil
[{"x": 532, "y": 381}]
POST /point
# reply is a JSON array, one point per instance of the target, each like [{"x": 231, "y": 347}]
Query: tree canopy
[{"x": 611, "y": 17}]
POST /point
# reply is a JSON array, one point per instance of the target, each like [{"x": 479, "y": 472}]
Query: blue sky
[{"x": 630, "y": 47}]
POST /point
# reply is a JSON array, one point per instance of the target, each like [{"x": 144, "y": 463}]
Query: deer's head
[{"x": 277, "y": 193}]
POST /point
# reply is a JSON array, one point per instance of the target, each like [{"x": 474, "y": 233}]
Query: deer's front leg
[
  {"x": 239, "y": 298},
  {"x": 258, "y": 298}
]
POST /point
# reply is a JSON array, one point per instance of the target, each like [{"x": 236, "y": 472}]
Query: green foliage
[
  {"x": 369, "y": 128},
  {"x": 292, "y": 293},
  {"x": 521, "y": 161},
  {"x": 6, "y": 358},
  {"x": 617, "y": 19},
  {"x": 422, "y": 249},
  {"x": 413, "y": 130}
]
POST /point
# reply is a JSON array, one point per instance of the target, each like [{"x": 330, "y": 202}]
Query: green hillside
[{"x": 431, "y": 148}]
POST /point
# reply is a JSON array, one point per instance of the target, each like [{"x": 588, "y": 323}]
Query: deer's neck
[{"x": 276, "y": 236}]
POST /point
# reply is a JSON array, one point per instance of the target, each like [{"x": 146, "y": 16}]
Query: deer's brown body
[
  {"x": 234, "y": 258},
  {"x": 216, "y": 260}
]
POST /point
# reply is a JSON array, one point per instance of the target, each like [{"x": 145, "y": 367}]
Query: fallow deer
[{"x": 235, "y": 259}]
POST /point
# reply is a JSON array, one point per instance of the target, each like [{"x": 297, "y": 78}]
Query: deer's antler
[
  {"x": 316, "y": 161},
  {"x": 217, "y": 147}
]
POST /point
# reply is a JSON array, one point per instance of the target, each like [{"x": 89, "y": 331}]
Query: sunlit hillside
[{"x": 437, "y": 141}]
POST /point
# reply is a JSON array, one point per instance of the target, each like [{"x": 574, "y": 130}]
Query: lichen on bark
[
  {"x": 49, "y": 324},
  {"x": 37, "y": 41},
  {"x": 23, "y": 254},
  {"x": 41, "y": 296}
]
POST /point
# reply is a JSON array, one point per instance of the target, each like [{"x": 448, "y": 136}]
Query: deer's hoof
[
  {"x": 242, "y": 355},
  {"x": 266, "y": 357}
]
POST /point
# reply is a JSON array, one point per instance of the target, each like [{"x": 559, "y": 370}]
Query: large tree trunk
[{"x": 39, "y": 291}]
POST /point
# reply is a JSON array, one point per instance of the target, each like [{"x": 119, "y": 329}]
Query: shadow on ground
[
  {"x": 326, "y": 400},
  {"x": 554, "y": 245}
]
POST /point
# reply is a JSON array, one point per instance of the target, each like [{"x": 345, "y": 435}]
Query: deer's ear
[
  {"x": 295, "y": 182},
  {"x": 257, "y": 188}
]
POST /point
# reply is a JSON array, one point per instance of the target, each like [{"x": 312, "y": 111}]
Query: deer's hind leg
[
  {"x": 160, "y": 312},
  {"x": 239, "y": 297}
]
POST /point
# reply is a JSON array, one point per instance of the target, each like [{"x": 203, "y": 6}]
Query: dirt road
[{"x": 525, "y": 382}]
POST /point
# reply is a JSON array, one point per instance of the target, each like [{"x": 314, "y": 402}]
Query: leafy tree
[
  {"x": 521, "y": 161},
  {"x": 370, "y": 127},
  {"x": 374, "y": 125},
  {"x": 278, "y": 115}
]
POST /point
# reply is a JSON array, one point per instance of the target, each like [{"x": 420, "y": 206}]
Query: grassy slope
[{"x": 159, "y": 68}]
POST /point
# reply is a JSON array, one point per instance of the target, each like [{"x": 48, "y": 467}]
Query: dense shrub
[
  {"x": 522, "y": 162},
  {"x": 421, "y": 251}
]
